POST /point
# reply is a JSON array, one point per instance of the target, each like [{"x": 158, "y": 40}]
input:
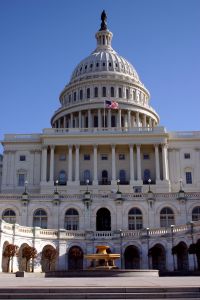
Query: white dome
[{"x": 103, "y": 59}]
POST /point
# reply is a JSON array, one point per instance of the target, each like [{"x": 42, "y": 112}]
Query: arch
[
  {"x": 166, "y": 217},
  {"x": 132, "y": 257},
  {"x": 181, "y": 251},
  {"x": 21, "y": 259},
  {"x": 75, "y": 258},
  {"x": 158, "y": 257},
  {"x": 104, "y": 177},
  {"x": 4, "y": 263},
  {"x": 48, "y": 258},
  {"x": 71, "y": 220},
  {"x": 40, "y": 218},
  {"x": 196, "y": 213},
  {"x": 135, "y": 219},
  {"x": 103, "y": 219},
  {"x": 9, "y": 216},
  {"x": 62, "y": 178}
]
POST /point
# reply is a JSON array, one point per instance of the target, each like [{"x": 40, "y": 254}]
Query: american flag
[{"x": 111, "y": 104}]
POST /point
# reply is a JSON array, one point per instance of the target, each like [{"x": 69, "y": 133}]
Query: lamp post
[
  {"x": 149, "y": 182},
  {"x": 148, "y": 247},
  {"x": 172, "y": 236},
  {"x": 56, "y": 190},
  {"x": 87, "y": 182},
  {"x": 192, "y": 238},
  {"x": 25, "y": 187},
  {"x": 118, "y": 182},
  {"x": 120, "y": 232}
]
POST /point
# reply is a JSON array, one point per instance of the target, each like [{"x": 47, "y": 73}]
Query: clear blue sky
[{"x": 41, "y": 42}]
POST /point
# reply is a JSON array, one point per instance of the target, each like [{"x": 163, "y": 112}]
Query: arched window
[
  {"x": 166, "y": 217},
  {"x": 135, "y": 219},
  {"x": 62, "y": 178},
  {"x": 103, "y": 91},
  {"x": 81, "y": 95},
  {"x": 96, "y": 92},
  {"x": 40, "y": 218},
  {"x": 74, "y": 96},
  {"x": 112, "y": 91},
  {"x": 103, "y": 220},
  {"x": 120, "y": 92},
  {"x": 196, "y": 213},
  {"x": 104, "y": 177},
  {"x": 86, "y": 175},
  {"x": 71, "y": 221},
  {"x": 147, "y": 176},
  {"x": 122, "y": 176},
  {"x": 9, "y": 216},
  {"x": 127, "y": 94},
  {"x": 88, "y": 93}
]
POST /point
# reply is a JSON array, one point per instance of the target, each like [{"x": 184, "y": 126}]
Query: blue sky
[{"x": 41, "y": 42}]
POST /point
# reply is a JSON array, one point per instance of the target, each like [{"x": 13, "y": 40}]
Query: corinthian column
[
  {"x": 95, "y": 179},
  {"x": 44, "y": 164},
  {"x": 70, "y": 164},
  {"x": 52, "y": 164},
  {"x": 138, "y": 163},
  {"x": 165, "y": 162},
  {"x": 77, "y": 165},
  {"x": 113, "y": 165},
  {"x": 157, "y": 162}
]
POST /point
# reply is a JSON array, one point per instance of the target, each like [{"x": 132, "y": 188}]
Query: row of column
[
  {"x": 113, "y": 170},
  {"x": 130, "y": 120}
]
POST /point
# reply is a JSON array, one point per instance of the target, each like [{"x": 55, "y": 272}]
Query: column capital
[
  {"x": 77, "y": 146},
  {"x": 52, "y": 147},
  {"x": 95, "y": 146},
  {"x": 44, "y": 147},
  {"x": 156, "y": 145}
]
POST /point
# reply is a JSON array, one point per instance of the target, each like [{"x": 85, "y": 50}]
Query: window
[
  {"x": 187, "y": 155},
  {"x": 135, "y": 219},
  {"x": 86, "y": 156},
  {"x": 40, "y": 218},
  {"x": 104, "y": 156},
  {"x": 9, "y": 216},
  {"x": 96, "y": 92},
  {"x": 146, "y": 156},
  {"x": 88, "y": 93},
  {"x": 147, "y": 175},
  {"x": 74, "y": 96},
  {"x": 96, "y": 121},
  {"x": 120, "y": 92},
  {"x": 196, "y": 214},
  {"x": 121, "y": 156},
  {"x": 103, "y": 91},
  {"x": 21, "y": 179},
  {"x": 22, "y": 158},
  {"x": 69, "y": 98},
  {"x": 166, "y": 217},
  {"x": 86, "y": 175},
  {"x": 104, "y": 177},
  {"x": 71, "y": 221},
  {"x": 127, "y": 94},
  {"x": 188, "y": 177},
  {"x": 112, "y": 91},
  {"x": 122, "y": 176},
  {"x": 113, "y": 121},
  {"x": 62, "y": 178},
  {"x": 81, "y": 94},
  {"x": 62, "y": 157}
]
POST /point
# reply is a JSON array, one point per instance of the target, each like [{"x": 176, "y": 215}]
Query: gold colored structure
[{"x": 102, "y": 260}]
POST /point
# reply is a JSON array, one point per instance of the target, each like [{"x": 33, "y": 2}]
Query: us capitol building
[{"x": 105, "y": 173}]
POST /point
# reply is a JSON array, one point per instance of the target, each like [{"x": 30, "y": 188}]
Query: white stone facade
[{"x": 88, "y": 176}]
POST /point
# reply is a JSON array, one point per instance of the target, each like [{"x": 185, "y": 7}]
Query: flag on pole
[{"x": 111, "y": 104}]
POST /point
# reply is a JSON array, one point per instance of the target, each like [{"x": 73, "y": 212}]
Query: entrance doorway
[
  {"x": 132, "y": 258},
  {"x": 75, "y": 258},
  {"x": 103, "y": 220}
]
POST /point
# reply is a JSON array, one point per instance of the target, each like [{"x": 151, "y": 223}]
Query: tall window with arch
[
  {"x": 62, "y": 178},
  {"x": 112, "y": 91},
  {"x": 135, "y": 220},
  {"x": 88, "y": 93},
  {"x": 122, "y": 176},
  {"x": 196, "y": 213},
  {"x": 40, "y": 218},
  {"x": 104, "y": 177},
  {"x": 96, "y": 92},
  {"x": 103, "y": 91},
  {"x": 9, "y": 216},
  {"x": 86, "y": 175},
  {"x": 71, "y": 221},
  {"x": 166, "y": 217},
  {"x": 147, "y": 176}
]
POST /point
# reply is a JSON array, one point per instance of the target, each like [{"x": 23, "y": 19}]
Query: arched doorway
[
  {"x": 21, "y": 259},
  {"x": 75, "y": 258},
  {"x": 158, "y": 257},
  {"x": 198, "y": 254},
  {"x": 48, "y": 258},
  {"x": 181, "y": 250},
  {"x": 4, "y": 264},
  {"x": 132, "y": 258},
  {"x": 103, "y": 220}
]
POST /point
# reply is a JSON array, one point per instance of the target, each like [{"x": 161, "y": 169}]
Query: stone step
[{"x": 100, "y": 293}]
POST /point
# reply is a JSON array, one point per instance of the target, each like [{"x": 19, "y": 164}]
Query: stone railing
[{"x": 184, "y": 134}]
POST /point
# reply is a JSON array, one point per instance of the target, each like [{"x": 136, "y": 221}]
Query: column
[
  {"x": 138, "y": 163},
  {"x": 79, "y": 119},
  {"x": 99, "y": 119},
  {"x": 70, "y": 163},
  {"x": 44, "y": 164},
  {"x": 5, "y": 168},
  {"x": 157, "y": 163},
  {"x": 119, "y": 118},
  {"x": 113, "y": 164},
  {"x": 144, "y": 121},
  {"x": 165, "y": 162},
  {"x": 95, "y": 179},
  {"x": 150, "y": 122},
  {"x": 71, "y": 120},
  {"x": 197, "y": 163},
  {"x": 52, "y": 164},
  {"x": 89, "y": 119},
  {"x": 137, "y": 119},
  {"x": 64, "y": 121},
  {"x": 77, "y": 164},
  {"x": 131, "y": 163},
  {"x": 129, "y": 119},
  {"x": 109, "y": 118}
]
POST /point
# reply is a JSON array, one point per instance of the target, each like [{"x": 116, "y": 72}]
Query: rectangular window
[
  {"x": 121, "y": 156},
  {"x": 21, "y": 179},
  {"x": 187, "y": 155},
  {"x": 22, "y": 158},
  {"x": 120, "y": 92},
  {"x": 62, "y": 157},
  {"x": 188, "y": 177},
  {"x": 86, "y": 156},
  {"x": 146, "y": 156},
  {"x": 104, "y": 156}
]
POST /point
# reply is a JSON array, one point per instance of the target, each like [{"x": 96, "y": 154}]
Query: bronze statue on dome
[{"x": 103, "y": 21}]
